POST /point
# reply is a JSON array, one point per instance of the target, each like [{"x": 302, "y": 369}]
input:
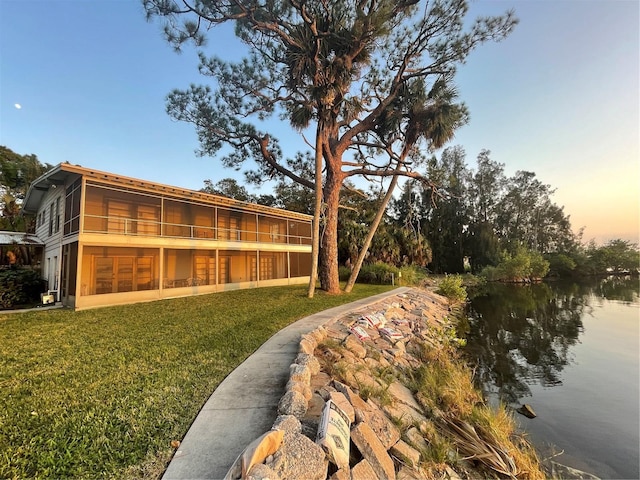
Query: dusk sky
[{"x": 85, "y": 81}]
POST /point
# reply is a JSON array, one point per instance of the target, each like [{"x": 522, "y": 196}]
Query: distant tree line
[{"x": 469, "y": 220}]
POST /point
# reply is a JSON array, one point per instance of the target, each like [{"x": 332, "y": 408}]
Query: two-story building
[{"x": 112, "y": 240}]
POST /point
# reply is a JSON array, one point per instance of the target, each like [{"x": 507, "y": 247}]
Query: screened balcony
[{"x": 112, "y": 211}]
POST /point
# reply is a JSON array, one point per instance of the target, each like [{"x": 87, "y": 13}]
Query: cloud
[{"x": 18, "y": 106}]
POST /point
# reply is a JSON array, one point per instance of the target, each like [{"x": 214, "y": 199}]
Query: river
[{"x": 570, "y": 350}]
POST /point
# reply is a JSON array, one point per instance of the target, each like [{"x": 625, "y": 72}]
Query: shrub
[
  {"x": 523, "y": 264},
  {"x": 451, "y": 287},
  {"x": 344, "y": 273},
  {"x": 377, "y": 273},
  {"x": 20, "y": 286},
  {"x": 412, "y": 275}
]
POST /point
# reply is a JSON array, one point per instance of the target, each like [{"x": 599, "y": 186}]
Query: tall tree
[
  {"x": 16, "y": 174},
  {"x": 360, "y": 70}
]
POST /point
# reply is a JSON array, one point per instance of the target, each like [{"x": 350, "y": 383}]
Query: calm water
[{"x": 571, "y": 352}]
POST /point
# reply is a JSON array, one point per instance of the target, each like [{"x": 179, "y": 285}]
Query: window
[
  {"x": 51, "y": 219},
  {"x": 72, "y": 208},
  {"x": 57, "y": 224},
  {"x": 119, "y": 269}
]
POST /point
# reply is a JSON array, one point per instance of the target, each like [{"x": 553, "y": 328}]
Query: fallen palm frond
[{"x": 474, "y": 443}]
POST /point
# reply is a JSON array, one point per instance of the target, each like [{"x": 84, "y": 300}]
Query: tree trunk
[
  {"x": 372, "y": 232},
  {"x": 329, "y": 279},
  {"x": 315, "y": 236}
]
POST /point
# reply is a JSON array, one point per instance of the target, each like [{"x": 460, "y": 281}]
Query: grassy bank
[{"x": 102, "y": 393}]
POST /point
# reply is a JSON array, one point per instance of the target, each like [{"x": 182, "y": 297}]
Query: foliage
[
  {"x": 102, "y": 393},
  {"x": 521, "y": 265},
  {"x": 378, "y": 273},
  {"x": 475, "y": 215},
  {"x": 451, "y": 286},
  {"x": 617, "y": 256},
  {"x": 16, "y": 174},
  {"x": 560, "y": 264},
  {"x": 20, "y": 287},
  {"x": 376, "y": 78}
]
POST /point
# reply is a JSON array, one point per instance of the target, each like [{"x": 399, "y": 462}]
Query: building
[{"x": 113, "y": 240}]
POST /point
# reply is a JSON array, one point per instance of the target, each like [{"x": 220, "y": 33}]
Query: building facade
[{"x": 112, "y": 240}]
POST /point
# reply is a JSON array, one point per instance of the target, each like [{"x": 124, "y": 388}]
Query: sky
[{"x": 85, "y": 81}]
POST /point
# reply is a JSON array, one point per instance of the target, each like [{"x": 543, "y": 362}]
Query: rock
[
  {"x": 292, "y": 403},
  {"x": 319, "y": 334},
  {"x": 404, "y": 414},
  {"x": 314, "y": 409},
  {"x": 563, "y": 471},
  {"x": 342, "y": 474},
  {"x": 373, "y": 451},
  {"x": 355, "y": 346},
  {"x": 527, "y": 411},
  {"x": 415, "y": 438},
  {"x": 320, "y": 380},
  {"x": 343, "y": 404},
  {"x": 262, "y": 472},
  {"x": 310, "y": 361},
  {"x": 405, "y": 453},
  {"x": 288, "y": 424},
  {"x": 300, "y": 387},
  {"x": 300, "y": 373},
  {"x": 306, "y": 347},
  {"x": 408, "y": 473},
  {"x": 299, "y": 458},
  {"x": 404, "y": 395},
  {"x": 310, "y": 338},
  {"x": 451, "y": 473},
  {"x": 386, "y": 431},
  {"x": 363, "y": 471}
]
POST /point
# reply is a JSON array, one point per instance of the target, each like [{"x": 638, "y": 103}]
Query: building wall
[{"x": 49, "y": 223}]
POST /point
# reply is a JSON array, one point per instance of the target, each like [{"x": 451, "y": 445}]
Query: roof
[
  {"x": 19, "y": 238},
  {"x": 58, "y": 175}
]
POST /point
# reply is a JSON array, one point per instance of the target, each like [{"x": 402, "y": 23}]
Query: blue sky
[{"x": 559, "y": 97}]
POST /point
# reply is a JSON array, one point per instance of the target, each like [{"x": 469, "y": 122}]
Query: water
[{"x": 571, "y": 352}]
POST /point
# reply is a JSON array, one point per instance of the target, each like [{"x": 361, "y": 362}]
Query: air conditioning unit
[{"x": 47, "y": 299}]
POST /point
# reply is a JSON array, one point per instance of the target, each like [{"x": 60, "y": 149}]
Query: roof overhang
[
  {"x": 56, "y": 177},
  {"x": 20, "y": 238}
]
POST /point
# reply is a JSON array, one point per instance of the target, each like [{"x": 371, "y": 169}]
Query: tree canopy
[
  {"x": 373, "y": 77},
  {"x": 16, "y": 174}
]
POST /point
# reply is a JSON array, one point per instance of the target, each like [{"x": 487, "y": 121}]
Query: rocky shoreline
[{"x": 364, "y": 363}]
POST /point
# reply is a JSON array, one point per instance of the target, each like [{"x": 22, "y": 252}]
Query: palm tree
[{"x": 434, "y": 120}]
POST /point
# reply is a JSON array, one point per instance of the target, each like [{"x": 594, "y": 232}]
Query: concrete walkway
[{"x": 244, "y": 406}]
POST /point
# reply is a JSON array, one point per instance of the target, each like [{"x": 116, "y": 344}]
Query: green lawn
[{"x": 102, "y": 393}]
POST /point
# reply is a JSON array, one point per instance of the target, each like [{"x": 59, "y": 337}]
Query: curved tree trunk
[{"x": 372, "y": 231}]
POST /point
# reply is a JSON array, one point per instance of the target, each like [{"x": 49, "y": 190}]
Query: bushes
[
  {"x": 20, "y": 286},
  {"x": 377, "y": 273},
  {"x": 522, "y": 265},
  {"x": 451, "y": 287},
  {"x": 380, "y": 273}
]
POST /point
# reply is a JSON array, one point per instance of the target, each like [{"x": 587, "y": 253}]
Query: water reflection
[{"x": 520, "y": 335}]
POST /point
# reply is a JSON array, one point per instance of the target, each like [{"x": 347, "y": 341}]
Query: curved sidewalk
[{"x": 244, "y": 406}]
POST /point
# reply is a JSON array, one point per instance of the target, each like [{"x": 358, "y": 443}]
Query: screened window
[{"x": 117, "y": 270}]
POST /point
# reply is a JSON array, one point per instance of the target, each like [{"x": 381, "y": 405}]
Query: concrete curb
[{"x": 244, "y": 405}]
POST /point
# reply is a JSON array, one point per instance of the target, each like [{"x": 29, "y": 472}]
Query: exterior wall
[
  {"x": 128, "y": 241},
  {"x": 49, "y": 222}
]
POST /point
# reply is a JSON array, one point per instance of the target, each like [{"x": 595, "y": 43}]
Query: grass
[
  {"x": 444, "y": 384},
  {"x": 102, "y": 393}
]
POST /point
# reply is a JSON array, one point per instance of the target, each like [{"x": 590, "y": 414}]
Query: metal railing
[{"x": 151, "y": 228}]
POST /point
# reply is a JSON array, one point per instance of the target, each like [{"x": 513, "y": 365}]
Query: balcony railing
[{"x": 151, "y": 228}]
